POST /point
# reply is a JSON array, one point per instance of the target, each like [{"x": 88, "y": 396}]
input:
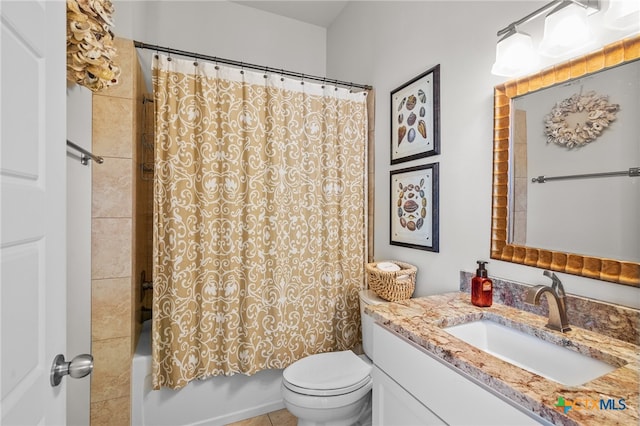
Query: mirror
[{"x": 536, "y": 149}]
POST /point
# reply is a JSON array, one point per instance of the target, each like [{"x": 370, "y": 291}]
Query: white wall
[
  {"x": 223, "y": 29},
  {"x": 386, "y": 44},
  {"x": 78, "y": 249}
]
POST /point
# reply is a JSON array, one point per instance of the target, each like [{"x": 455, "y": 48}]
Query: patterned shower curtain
[{"x": 259, "y": 220}]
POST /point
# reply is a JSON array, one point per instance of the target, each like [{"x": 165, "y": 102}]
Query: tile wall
[
  {"x": 115, "y": 269},
  {"x": 144, "y": 204},
  {"x": 521, "y": 179}
]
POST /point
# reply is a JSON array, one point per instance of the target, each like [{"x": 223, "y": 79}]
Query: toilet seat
[
  {"x": 327, "y": 374},
  {"x": 326, "y": 392}
]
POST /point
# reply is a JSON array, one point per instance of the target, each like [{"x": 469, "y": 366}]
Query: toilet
[{"x": 333, "y": 388}]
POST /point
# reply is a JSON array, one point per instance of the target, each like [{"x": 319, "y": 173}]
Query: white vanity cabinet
[
  {"x": 394, "y": 406},
  {"x": 411, "y": 387}
]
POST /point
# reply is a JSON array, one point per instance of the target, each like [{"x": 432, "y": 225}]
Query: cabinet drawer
[{"x": 446, "y": 392}]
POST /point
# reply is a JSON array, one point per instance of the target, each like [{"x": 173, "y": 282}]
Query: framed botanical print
[
  {"x": 414, "y": 207},
  {"x": 415, "y": 118}
]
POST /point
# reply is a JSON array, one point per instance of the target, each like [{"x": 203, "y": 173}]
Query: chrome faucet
[{"x": 557, "y": 308}]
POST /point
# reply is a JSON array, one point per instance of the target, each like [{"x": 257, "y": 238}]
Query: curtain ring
[
  {"x": 351, "y": 87},
  {"x": 281, "y": 74},
  {"x": 302, "y": 80},
  {"x": 324, "y": 80},
  {"x": 265, "y": 72},
  {"x": 195, "y": 61},
  {"x": 242, "y": 68},
  {"x": 215, "y": 61}
]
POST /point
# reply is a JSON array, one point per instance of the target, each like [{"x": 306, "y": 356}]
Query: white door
[{"x": 32, "y": 218}]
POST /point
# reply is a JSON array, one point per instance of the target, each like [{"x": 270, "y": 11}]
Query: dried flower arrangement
[
  {"x": 580, "y": 119},
  {"x": 90, "y": 49}
]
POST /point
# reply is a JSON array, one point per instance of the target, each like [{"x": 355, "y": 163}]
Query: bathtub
[{"x": 215, "y": 401}]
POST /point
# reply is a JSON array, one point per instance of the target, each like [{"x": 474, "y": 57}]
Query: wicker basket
[{"x": 393, "y": 286}]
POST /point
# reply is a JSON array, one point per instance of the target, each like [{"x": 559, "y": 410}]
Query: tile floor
[{"x": 275, "y": 418}]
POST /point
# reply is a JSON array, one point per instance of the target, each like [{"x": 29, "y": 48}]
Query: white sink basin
[{"x": 546, "y": 359}]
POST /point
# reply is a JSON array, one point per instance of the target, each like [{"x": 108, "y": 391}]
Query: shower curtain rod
[{"x": 231, "y": 62}]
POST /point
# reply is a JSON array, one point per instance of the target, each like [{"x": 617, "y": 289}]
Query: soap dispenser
[{"x": 481, "y": 287}]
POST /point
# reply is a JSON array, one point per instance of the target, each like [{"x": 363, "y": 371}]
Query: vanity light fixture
[
  {"x": 565, "y": 32},
  {"x": 515, "y": 54},
  {"x": 623, "y": 15}
]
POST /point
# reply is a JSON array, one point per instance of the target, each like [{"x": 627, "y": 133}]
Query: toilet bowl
[{"x": 333, "y": 388}]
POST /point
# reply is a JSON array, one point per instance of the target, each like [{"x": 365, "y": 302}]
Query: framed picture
[
  {"x": 414, "y": 207},
  {"x": 415, "y": 118}
]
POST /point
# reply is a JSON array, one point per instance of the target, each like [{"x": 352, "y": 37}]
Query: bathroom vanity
[{"x": 425, "y": 374}]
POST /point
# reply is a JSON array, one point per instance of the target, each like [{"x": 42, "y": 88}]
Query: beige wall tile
[
  {"x": 113, "y": 284},
  {"x": 520, "y": 228},
  {"x": 520, "y": 160},
  {"x": 111, "y": 369},
  {"x": 112, "y": 412},
  {"x": 126, "y": 58},
  {"x": 111, "y": 241},
  {"x": 110, "y": 308},
  {"x": 112, "y": 189},
  {"x": 136, "y": 329},
  {"x": 520, "y": 191},
  {"x": 113, "y": 127}
]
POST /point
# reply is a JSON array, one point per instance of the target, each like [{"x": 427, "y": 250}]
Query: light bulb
[
  {"x": 514, "y": 55},
  {"x": 623, "y": 15},
  {"x": 566, "y": 31}
]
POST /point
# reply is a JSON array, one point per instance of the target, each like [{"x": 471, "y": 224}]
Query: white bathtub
[{"x": 216, "y": 401}]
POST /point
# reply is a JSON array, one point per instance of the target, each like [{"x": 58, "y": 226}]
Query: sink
[{"x": 531, "y": 353}]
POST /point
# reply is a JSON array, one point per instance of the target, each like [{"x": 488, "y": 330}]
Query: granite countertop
[{"x": 421, "y": 321}]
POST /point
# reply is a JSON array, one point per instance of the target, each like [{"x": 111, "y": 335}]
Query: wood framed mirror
[{"x": 503, "y": 245}]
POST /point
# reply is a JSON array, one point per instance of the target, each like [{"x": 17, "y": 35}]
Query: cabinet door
[{"x": 394, "y": 406}]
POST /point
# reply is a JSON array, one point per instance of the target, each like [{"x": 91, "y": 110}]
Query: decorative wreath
[
  {"x": 592, "y": 113},
  {"x": 90, "y": 47}
]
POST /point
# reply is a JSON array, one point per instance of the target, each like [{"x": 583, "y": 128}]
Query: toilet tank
[{"x": 368, "y": 297}]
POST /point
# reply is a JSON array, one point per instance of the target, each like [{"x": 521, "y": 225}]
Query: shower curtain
[{"x": 259, "y": 220}]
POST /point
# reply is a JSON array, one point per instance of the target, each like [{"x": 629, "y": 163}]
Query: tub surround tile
[
  {"x": 113, "y": 131},
  {"x": 111, "y": 375},
  {"x": 116, "y": 129},
  {"x": 421, "y": 320},
  {"x": 125, "y": 59},
  {"x": 113, "y": 412},
  {"x": 110, "y": 308},
  {"x": 112, "y": 188},
  {"x": 111, "y": 241},
  {"x": 619, "y": 322}
]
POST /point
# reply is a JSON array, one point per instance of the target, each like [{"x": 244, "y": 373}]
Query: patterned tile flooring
[{"x": 275, "y": 418}]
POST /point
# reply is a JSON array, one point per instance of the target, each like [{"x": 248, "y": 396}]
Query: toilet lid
[{"x": 328, "y": 371}]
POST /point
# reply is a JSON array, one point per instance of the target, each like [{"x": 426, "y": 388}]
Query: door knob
[{"x": 80, "y": 366}]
